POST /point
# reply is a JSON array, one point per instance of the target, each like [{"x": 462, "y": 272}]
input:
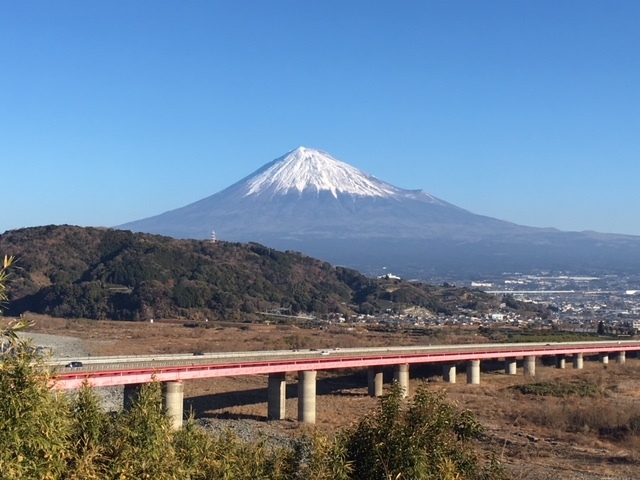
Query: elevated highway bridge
[{"x": 172, "y": 370}]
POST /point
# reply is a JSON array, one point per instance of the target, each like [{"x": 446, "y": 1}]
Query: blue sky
[{"x": 527, "y": 111}]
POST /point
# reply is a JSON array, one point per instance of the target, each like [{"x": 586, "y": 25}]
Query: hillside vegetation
[{"x": 99, "y": 273}]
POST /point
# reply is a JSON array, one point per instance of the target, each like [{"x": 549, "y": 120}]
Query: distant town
[
  {"x": 608, "y": 304},
  {"x": 579, "y": 303}
]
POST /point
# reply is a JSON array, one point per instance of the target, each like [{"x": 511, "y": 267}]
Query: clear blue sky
[{"x": 528, "y": 111}]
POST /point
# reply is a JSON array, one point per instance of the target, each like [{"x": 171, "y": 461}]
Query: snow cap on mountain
[{"x": 309, "y": 169}]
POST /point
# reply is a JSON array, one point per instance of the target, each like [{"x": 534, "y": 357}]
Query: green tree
[
  {"x": 4, "y": 275},
  {"x": 89, "y": 427},
  {"x": 34, "y": 422},
  {"x": 140, "y": 444},
  {"x": 510, "y": 302},
  {"x": 428, "y": 440},
  {"x": 322, "y": 458}
]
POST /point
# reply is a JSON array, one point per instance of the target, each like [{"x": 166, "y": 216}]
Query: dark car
[{"x": 73, "y": 365}]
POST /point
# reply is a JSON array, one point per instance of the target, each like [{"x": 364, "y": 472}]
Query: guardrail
[{"x": 230, "y": 363}]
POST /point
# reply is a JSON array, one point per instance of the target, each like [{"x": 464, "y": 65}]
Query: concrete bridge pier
[
  {"x": 621, "y": 358},
  {"x": 530, "y": 366},
  {"x": 401, "y": 375},
  {"x": 307, "y": 396},
  {"x": 449, "y": 373},
  {"x": 131, "y": 394},
  {"x": 473, "y": 372},
  {"x": 560, "y": 361},
  {"x": 604, "y": 358},
  {"x": 578, "y": 361},
  {"x": 173, "y": 402},
  {"x": 276, "y": 396},
  {"x": 376, "y": 381},
  {"x": 510, "y": 366}
]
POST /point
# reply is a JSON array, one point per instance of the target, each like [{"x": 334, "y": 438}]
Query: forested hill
[{"x": 76, "y": 272}]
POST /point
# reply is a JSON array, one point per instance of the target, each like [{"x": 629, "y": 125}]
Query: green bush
[
  {"x": 35, "y": 424},
  {"x": 428, "y": 440}
]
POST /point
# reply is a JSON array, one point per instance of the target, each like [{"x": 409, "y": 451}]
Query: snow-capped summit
[
  {"x": 310, "y": 202},
  {"x": 305, "y": 192},
  {"x": 307, "y": 169}
]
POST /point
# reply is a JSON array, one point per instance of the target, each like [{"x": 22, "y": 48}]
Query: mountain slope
[
  {"x": 308, "y": 201},
  {"x": 113, "y": 274},
  {"x": 309, "y": 193},
  {"x": 305, "y": 192}
]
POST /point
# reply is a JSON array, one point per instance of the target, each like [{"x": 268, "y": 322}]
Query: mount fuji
[{"x": 310, "y": 202}]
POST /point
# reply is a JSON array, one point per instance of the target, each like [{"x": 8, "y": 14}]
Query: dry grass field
[{"x": 538, "y": 437}]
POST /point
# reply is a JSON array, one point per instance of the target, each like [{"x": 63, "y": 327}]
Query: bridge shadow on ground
[
  {"x": 214, "y": 405},
  {"x": 347, "y": 384}
]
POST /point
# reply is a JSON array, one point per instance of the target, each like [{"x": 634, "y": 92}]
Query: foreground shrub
[
  {"x": 35, "y": 424},
  {"x": 140, "y": 442},
  {"x": 226, "y": 457},
  {"x": 323, "y": 458},
  {"x": 430, "y": 439},
  {"x": 88, "y": 430}
]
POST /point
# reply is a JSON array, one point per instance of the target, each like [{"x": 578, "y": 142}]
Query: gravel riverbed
[{"x": 61, "y": 346}]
